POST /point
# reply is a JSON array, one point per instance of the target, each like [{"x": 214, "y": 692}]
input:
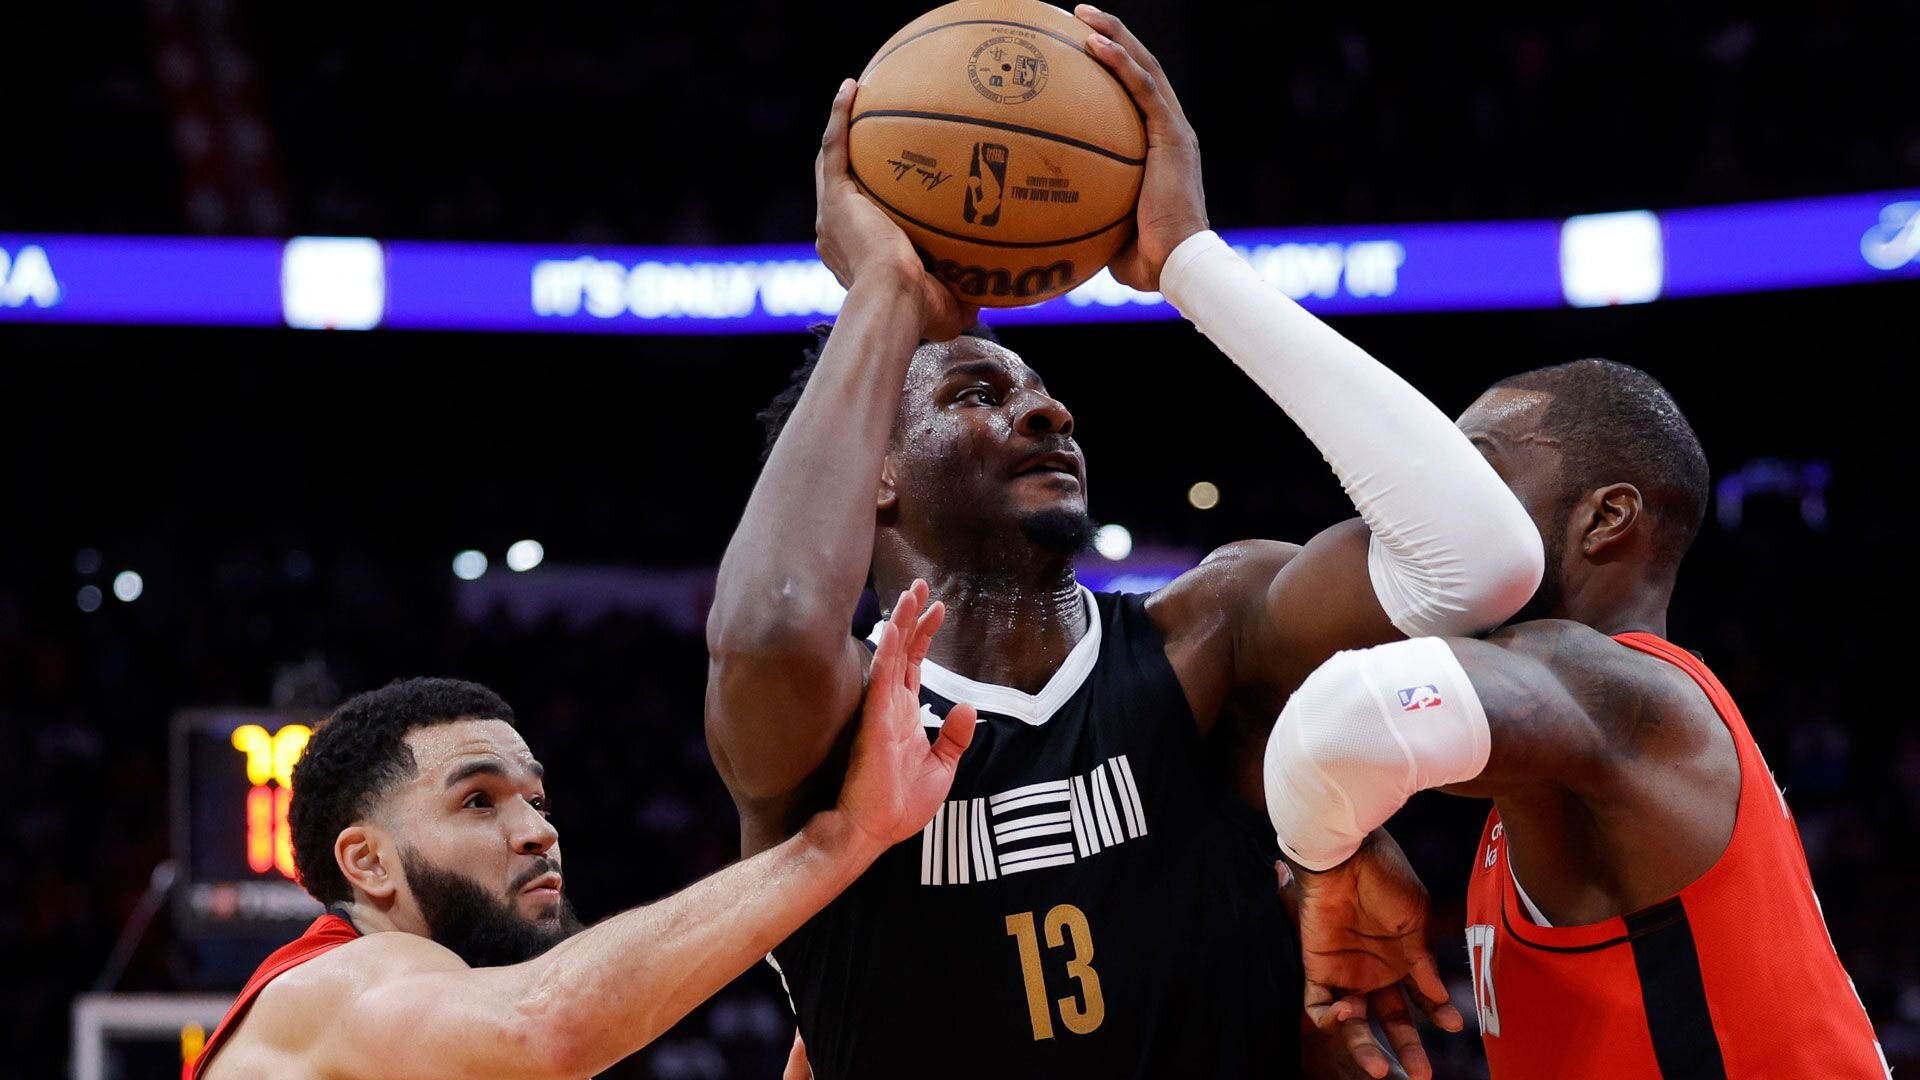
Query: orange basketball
[{"x": 1009, "y": 154}]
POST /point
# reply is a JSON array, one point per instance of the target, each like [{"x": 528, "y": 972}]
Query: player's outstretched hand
[
  {"x": 1173, "y": 203},
  {"x": 895, "y": 778},
  {"x": 855, "y": 238}
]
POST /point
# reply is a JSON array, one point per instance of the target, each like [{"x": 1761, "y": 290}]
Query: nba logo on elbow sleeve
[{"x": 1414, "y": 698}]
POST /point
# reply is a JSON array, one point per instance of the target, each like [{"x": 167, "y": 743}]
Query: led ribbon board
[{"x": 361, "y": 283}]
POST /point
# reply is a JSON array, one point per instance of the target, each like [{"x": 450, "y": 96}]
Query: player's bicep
[
  {"x": 1320, "y": 602},
  {"x": 772, "y": 721},
  {"x": 1540, "y": 732}
]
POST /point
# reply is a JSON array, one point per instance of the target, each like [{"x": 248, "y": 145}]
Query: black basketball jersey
[{"x": 1091, "y": 901}]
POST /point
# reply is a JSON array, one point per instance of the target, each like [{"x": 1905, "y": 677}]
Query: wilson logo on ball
[
  {"x": 986, "y": 184},
  {"x": 987, "y": 282}
]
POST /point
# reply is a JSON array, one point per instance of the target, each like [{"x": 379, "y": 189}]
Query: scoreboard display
[{"x": 232, "y": 784}]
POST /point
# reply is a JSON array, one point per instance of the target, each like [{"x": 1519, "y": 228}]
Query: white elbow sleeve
[{"x": 1361, "y": 735}]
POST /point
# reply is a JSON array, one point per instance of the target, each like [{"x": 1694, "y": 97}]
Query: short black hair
[
  {"x": 360, "y": 753},
  {"x": 775, "y": 415},
  {"x": 1616, "y": 423}
]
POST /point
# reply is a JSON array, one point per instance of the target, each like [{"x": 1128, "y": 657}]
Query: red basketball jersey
[
  {"x": 328, "y": 932},
  {"x": 1733, "y": 977}
]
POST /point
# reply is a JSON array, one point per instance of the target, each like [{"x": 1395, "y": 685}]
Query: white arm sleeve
[
  {"x": 1361, "y": 735},
  {"x": 1453, "y": 552}
]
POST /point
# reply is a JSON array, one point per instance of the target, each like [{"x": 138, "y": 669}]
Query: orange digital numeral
[
  {"x": 270, "y": 761},
  {"x": 260, "y": 829}
]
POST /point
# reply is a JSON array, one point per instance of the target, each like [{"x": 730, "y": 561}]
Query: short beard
[
  {"x": 1059, "y": 532},
  {"x": 480, "y": 927}
]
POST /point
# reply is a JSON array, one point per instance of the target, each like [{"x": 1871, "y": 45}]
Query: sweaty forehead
[
  {"x": 1506, "y": 413},
  {"x": 934, "y": 361}
]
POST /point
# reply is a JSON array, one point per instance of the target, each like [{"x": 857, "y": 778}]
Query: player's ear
[
  {"x": 888, "y": 495},
  {"x": 1614, "y": 513},
  {"x": 368, "y": 860}
]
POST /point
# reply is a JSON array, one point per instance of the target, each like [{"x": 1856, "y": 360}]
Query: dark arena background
[{"x": 219, "y": 525}]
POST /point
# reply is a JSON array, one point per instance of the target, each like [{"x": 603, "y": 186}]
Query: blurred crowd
[{"x": 694, "y": 123}]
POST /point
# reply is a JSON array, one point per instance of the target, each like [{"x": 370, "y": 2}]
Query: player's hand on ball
[
  {"x": 856, "y": 239},
  {"x": 895, "y": 778},
  {"x": 1173, "y": 204}
]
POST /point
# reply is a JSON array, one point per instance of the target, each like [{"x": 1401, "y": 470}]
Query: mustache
[
  {"x": 542, "y": 864},
  {"x": 1049, "y": 444}
]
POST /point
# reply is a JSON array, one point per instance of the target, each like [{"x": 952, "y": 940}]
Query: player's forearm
[
  {"x": 1453, "y": 550},
  {"x": 798, "y": 560},
  {"x": 612, "y": 989}
]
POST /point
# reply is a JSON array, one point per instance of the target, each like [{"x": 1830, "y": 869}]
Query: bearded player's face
[
  {"x": 982, "y": 446},
  {"x": 482, "y": 860},
  {"x": 1505, "y": 426}
]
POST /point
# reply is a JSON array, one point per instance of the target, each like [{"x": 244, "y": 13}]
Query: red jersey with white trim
[
  {"x": 1733, "y": 977},
  {"x": 327, "y": 933}
]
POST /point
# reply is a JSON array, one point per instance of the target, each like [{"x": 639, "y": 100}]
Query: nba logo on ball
[
  {"x": 986, "y": 184},
  {"x": 1002, "y": 94},
  {"x": 1419, "y": 697}
]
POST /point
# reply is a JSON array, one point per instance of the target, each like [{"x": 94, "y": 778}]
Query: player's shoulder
[
  {"x": 295, "y": 1013},
  {"x": 1198, "y": 605},
  {"x": 330, "y": 980},
  {"x": 1574, "y": 649},
  {"x": 1239, "y": 563},
  {"x": 1614, "y": 682},
  {"x": 1268, "y": 555},
  {"x": 1203, "y": 597},
  {"x": 1560, "y": 643}
]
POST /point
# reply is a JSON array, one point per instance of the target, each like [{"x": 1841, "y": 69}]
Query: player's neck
[
  {"x": 1007, "y": 631},
  {"x": 1614, "y": 606},
  {"x": 369, "y": 918}
]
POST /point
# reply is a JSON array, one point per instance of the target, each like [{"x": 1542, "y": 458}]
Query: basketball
[{"x": 1009, "y": 154}]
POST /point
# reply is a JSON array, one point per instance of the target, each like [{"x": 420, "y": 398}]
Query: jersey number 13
[{"x": 1082, "y": 1015}]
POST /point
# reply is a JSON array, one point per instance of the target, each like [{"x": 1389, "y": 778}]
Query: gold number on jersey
[{"x": 1082, "y": 1015}]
